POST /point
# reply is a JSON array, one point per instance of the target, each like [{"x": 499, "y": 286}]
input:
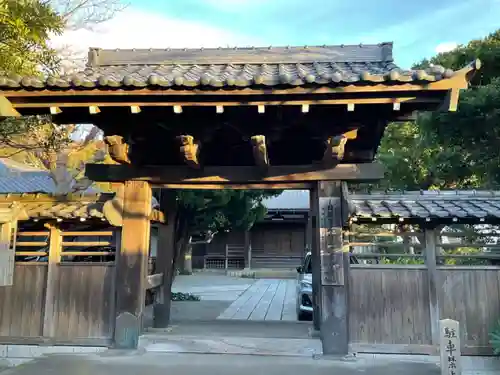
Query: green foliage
[
  {"x": 219, "y": 210},
  {"x": 495, "y": 338},
  {"x": 451, "y": 150},
  {"x": 25, "y": 28},
  {"x": 184, "y": 297}
]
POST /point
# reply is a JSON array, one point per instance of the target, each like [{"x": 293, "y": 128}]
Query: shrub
[
  {"x": 184, "y": 297},
  {"x": 495, "y": 338}
]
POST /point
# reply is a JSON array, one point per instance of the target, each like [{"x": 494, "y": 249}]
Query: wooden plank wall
[
  {"x": 84, "y": 302},
  {"x": 80, "y": 308},
  {"x": 471, "y": 295},
  {"x": 389, "y": 305},
  {"x": 390, "y": 309},
  {"x": 22, "y": 304}
]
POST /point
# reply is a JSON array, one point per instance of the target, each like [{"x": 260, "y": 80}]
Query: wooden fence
[
  {"x": 395, "y": 305},
  {"x": 63, "y": 289}
]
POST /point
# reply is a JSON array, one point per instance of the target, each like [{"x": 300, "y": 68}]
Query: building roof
[
  {"x": 20, "y": 178},
  {"x": 235, "y": 67},
  {"x": 66, "y": 207},
  {"x": 454, "y": 205},
  {"x": 428, "y": 205}
]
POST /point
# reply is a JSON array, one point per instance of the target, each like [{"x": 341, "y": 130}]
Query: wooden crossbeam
[{"x": 213, "y": 175}]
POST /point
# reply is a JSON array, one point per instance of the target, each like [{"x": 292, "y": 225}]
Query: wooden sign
[
  {"x": 450, "y": 347},
  {"x": 332, "y": 265}
]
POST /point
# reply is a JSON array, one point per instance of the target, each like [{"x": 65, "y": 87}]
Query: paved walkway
[
  {"x": 127, "y": 363},
  {"x": 265, "y": 299}
]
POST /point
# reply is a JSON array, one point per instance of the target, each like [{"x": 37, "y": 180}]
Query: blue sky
[{"x": 417, "y": 28}]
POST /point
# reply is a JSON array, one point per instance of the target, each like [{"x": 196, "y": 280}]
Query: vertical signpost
[{"x": 450, "y": 347}]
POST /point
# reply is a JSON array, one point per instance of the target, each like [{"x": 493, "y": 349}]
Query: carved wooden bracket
[
  {"x": 190, "y": 150},
  {"x": 335, "y": 149},
  {"x": 118, "y": 150},
  {"x": 259, "y": 150}
]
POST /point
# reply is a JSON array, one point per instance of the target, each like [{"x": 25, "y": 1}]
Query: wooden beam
[
  {"x": 154, "y": 281},
  {"x": 189, "y": 150},
  {"x": 335, "y": 148},
  {"x": 254, "y": 186},
  {"x": 94, "y": 110},
  {"x": 261, "y": 105},
  {"x": 6, "y": 108},
  {"x": 135, "y": 109},
  {"x": 118, "y": 150},
  {"x": 55, "y": 110},
  {"x": 131, "y": 265},
  {"x": 233, "y": 175},
  {"x": 259, "y": 149}
]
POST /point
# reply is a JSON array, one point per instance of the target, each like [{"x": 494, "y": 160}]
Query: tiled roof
[
  {"x": 428, "y": 205},
  {"x": 459, "y": 204},
  {"x": 234, "y": 67}
]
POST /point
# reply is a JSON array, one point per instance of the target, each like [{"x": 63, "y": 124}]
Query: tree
[
  {"x": 486, "y": 49},
  {"x": 454, "y": 149},
  {"x": 209, "y": 212},
  {"x": 25, "y": 28}
]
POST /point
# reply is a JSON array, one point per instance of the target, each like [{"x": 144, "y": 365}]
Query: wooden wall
[
  {"x": 390, "y": 309},
  {"x": 267, "y": 238}
]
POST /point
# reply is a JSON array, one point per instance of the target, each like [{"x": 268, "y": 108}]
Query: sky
[{"x": 418, "y": 29}]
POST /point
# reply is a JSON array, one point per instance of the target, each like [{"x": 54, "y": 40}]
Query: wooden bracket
[
  {"x": 118, "y": 150},
  {"x": 335, "y": 149},
  {"x": 189, "y": 150},
  {"x": 259, "y": 149},
  {"x": 451, "y": 101}
]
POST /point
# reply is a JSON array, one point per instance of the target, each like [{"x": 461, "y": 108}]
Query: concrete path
[
  {"x": 212, "y": 287},
  {"x": 265, "y": 299},
  {"x": 127, "y": 363}
]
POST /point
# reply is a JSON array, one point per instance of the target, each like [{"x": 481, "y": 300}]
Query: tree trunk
[{"x": 181, "y": 244}]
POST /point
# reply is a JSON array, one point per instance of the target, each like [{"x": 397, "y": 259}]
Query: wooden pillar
[
  {"x": 334, "y": 268},
  {"x": 55, "y": 250},
  {"x": 132, "y": 263},
  {"x": 315, "y": 256},
  {"x": 247, "y": 249},
  {"x": 430, "y": 235},
  {"x": 7, "y": 253},
  {"x": 164, "y": 263},
  {"x": 308, "y": 233}
]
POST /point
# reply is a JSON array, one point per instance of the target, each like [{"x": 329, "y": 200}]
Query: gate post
[
  {"x": 329, "y": 216},
  {"x": 132, "y": 264}
]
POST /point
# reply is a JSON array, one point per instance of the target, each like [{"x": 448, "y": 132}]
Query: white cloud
[
  {"x": 135, "y": 28},
  {"x": 446, "y": 47}
]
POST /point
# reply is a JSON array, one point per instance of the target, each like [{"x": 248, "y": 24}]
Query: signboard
[
  {"x": 332, "y": 264},
  {"x": 450, "y": 347}
]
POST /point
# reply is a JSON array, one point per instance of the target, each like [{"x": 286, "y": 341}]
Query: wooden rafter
[
  {"x": 189, "y": 150},
  {"x": 259, "y": 149},
  {"x": 118, "y": 150},
  {"x": 335, "y": 149}
]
